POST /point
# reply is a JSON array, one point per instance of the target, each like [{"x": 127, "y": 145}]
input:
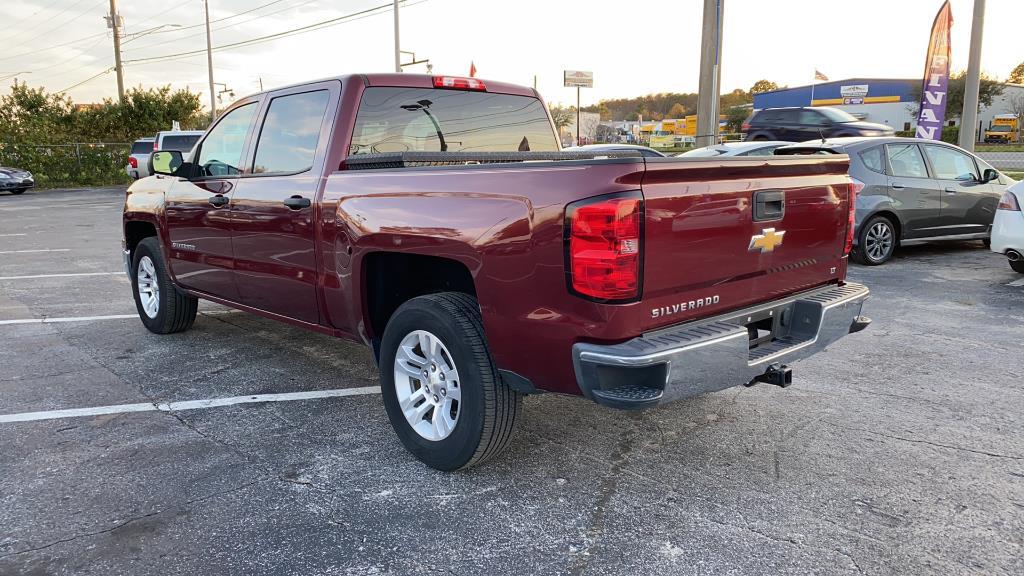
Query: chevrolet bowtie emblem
[{"x": 767, "y": 240}]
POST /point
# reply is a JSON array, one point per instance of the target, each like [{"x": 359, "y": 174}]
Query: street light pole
[
  {"x": 710, "y": 73},
  {"x": 115, "y": 25},
  {"x": 398, "y": 44},
  {"x": 209, "y": 63},
  {"x": 969, "y": 116}
]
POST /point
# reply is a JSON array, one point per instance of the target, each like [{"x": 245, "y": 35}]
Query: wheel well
[
  {"x": 391, "y": 278},
  {"x": 135, "y": 231},
  {"x": 891, "y": 216}
]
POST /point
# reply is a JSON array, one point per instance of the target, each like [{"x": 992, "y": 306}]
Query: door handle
[
  {"x": 896, "y": 186},
  {"x": 951, "y": 190},
  {"x": 297, "y": 202},
  {"x": 219, "y": 200}
]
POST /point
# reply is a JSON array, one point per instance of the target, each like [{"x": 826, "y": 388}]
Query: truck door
[
  {"x": 273, "y": 216},
  {"x": 915, "y": 196},
  {"x": 968, "y": 204},
  {"x": 197, "y": 211}
]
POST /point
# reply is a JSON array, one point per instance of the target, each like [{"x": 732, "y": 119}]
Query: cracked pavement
[{"x": 897, "y": 451}]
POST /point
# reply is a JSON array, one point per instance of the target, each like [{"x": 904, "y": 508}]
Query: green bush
[
  {"x": 950, "y": 134},
  {"x": 69, "y": 164}
]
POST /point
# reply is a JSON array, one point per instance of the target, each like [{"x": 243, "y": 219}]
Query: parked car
[
  {"x": 138, "y": 158},
  {"x": 758, "y": 148},
  {"x": 643, "y": 150},
  {"x": 397, "y": 210},
  {"x": 802, "y": 123},
  {"x": 15, "y": 181},
  {"x": 1008, "y": 227},
  {"x": 911, "y": 190},
  {"x": 177, "y": 140}
]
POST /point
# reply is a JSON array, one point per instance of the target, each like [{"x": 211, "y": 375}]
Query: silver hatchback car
[{"x": 912, "y": 190}]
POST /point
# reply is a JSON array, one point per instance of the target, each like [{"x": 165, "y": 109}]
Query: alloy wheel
[
  {"x": 149, "y": 287},
  {"x": 878, "y": 242},
  {"x": 427, "y": 384}
]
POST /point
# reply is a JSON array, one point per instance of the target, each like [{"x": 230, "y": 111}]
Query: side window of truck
[
  {"x": 290, "y": 132},
  {"x": 220, "y": 154}
]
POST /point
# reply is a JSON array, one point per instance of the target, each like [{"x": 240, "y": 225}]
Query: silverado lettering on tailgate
[{"x": 683, "y": 306}]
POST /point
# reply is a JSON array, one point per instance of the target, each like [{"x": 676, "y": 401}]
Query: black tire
[
  {"x": 18, "y": 191},
  {"x": 760, "y": 138},
  {"x": 986, "y": 242},
  {"x": 175, "y": 311},
  {"x": 864, "y": 254},
  {"x": 1017, "y": 266},
  {"x": 488, "y": 408}
]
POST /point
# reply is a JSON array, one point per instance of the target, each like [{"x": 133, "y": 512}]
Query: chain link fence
[
  {"x": 69, "y": 165},
  {"x": 1009, "y": 160}
]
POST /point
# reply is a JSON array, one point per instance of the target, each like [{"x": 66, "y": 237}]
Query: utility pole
[
  {"x": 710, "y": 73},
  {"x": 114, "y": 23},
  {"x": 969, "y": 117},
  {"x": 578, "y": 116},
  {"x": 209, "y": 63},
  {"x": 398, "y": 44}
]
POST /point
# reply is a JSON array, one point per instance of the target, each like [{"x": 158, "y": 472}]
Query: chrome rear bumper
[{"x": 716, "y": 353}]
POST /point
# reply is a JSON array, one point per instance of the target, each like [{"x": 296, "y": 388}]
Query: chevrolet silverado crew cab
[{"x": 435, "y": 219}]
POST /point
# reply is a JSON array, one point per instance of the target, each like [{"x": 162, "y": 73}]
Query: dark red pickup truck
[{"x": 436, "y": 220}]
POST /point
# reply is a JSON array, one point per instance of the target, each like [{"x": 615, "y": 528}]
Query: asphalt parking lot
[{"x": 898, "y": 451}]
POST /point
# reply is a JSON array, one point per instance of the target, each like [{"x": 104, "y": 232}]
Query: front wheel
[
  {"x": 18, "y": 191},
  {"x": 876, "y": 241},
  {"x": 161, "y": 307},
  {"x": 1017, "y": 265},
  {"x": 441, "y": 390}
]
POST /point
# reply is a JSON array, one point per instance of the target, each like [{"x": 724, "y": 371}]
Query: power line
[
  {"x": 33, "y": 15},
  {"x": 89, "y": 79},
  {"x": 295, "y": 31},
  {"x": 75, "y": 17},
  {"x": 68, "y": 43},
  {"x": 201, "y": 24},
  {"x": 201, "y": 33}
]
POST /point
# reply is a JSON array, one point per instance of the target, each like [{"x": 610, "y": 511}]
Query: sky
[{"x": 633, "y": 48}]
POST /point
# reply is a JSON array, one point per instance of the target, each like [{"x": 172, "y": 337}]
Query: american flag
[
  {"x": 819, "y": 76},
  {"x": 472, "y": 69}
]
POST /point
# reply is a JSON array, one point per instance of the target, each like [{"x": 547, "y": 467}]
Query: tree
[
  {"x": 1017, "y": 75},
  {"x": 677, "y": 111},
  {"x": 563, "y": 116},
  {"x": 735, "y": 117},
  {"x": 1017, "y": 107},
  {"x": 988, "y": 89},
  {"x": 763, "y": 86}
]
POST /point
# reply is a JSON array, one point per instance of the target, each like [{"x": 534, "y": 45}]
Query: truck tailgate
[{"x": 721, "y": 234}]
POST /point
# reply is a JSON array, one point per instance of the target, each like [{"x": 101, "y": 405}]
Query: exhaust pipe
[{"x": 1014, "y": 256}]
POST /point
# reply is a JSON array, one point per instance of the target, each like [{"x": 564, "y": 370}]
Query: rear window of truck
[
  {"x": 431, "y": 120},
  {"x": 180, "y": 143},
  {"x": 142, "y": 147}
]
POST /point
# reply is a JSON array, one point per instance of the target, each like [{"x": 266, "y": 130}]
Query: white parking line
[
  {"x": 68, "y": 275},
  {"x": 47, "y": 320},
  {"x": 36, "y": 250},
  {"x": 1017, "y": 282},
  {"x": 187, "y": 405},
  {"x": 6, "y": 235}
]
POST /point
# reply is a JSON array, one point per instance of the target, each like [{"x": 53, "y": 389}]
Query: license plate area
[{"x": 766, "y": 326}]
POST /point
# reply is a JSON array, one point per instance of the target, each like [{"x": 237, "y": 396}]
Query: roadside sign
[
  {"x": 848, "y": 101},
  {"x": 578, "y": 79},
  {"x": 854, "y": 91}
]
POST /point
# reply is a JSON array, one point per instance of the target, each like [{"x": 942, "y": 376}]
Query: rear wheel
[
  {"x": 161, "y": 307},
  {"x": 441, "y": 390},
  {"x": 876, "y": 242}
]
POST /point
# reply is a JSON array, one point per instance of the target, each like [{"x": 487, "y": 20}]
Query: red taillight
[
  {"x": 855, "y": 187},
  {"x": 133, "y": 162},
  {"x": 746, "y": 127},
  {"x": 458, "y": 83},
  {"x": 604, "y": 248},
  {"x": 1009, "y": 202},
  {"x": 155, "y": 146}
]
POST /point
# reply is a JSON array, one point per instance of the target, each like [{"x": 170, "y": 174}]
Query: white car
[
  {"x": 1008, "y": 227},
  {"x": 752, "y": 148},
  {"x": 138, "y": 158}
]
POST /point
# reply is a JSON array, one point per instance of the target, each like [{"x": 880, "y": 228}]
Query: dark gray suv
[{"x": 913, "y": 190}]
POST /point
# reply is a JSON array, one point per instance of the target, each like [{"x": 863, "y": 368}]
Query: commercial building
[{"x": 882, "y": 100}]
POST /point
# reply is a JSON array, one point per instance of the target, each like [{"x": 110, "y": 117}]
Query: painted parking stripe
[
  {"x": 68, "y": 275},
  {"x": 187, "y": 405},
  {"x": 36, "y": 250},
  {"x": 47, "y": 320},
  {"x": 1017, "y": 282},
  {"x": 6, "y": 235}
]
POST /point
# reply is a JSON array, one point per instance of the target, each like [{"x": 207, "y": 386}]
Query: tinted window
[
  {"x": 837, "y": 115},
  {"x": 142, "y": 147},
  {"x": 905, "y": 160},
  {"x": 951, "y": 164},
  {"x": 872, "y": 158},
  {"x": 221, "y": 151},
  {"x": 812, "y": 117},
  {"x": 179, "y": 142},
  {"x": 290, "y": 133},
  {"x": 424, "y": 119}
]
